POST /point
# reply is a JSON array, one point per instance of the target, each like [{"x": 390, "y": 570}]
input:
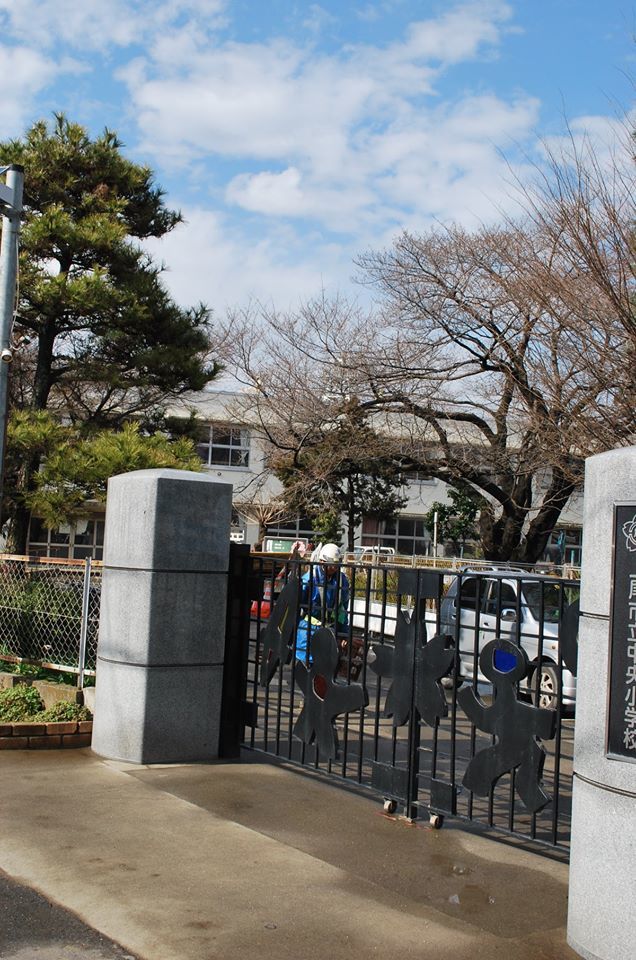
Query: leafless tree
[
  {"x": 582, "y": 199},
  {"x": 481, "y": 368},
  {"x": 264, "y": 512},
  {"x": 317, "y": 438},
  {"x": 498, "y": 358}
]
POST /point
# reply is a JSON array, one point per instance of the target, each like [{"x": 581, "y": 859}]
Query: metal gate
[{"x": 446, "y": 694}]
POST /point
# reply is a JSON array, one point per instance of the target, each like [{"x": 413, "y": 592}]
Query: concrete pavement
[
  {"x": 194, "y": 862},
  {"x": 33, "y": 928}
]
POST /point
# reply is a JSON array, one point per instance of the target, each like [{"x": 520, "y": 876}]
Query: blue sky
[{"x": 294, "y": 135}]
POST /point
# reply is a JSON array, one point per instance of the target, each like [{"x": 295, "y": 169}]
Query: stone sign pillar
[
  {"x": 162, "y": 618},
  {"x": 602, "y": 913}
]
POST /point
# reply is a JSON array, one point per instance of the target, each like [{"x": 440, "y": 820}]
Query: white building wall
[{"x": 253, "y": 482}]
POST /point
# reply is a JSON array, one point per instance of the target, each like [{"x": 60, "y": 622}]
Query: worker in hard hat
[{"x": 324, "y": 597}]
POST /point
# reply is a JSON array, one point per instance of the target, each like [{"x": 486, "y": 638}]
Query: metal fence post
[
  {"x": 242, "y": 588},
  {"x": 11, "y": 209},
  {"x": 84, "y": 625}
]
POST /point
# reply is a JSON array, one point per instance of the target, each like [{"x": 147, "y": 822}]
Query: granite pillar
[
  {"x": 602, "y": 894},
  {"x": 162, "y": 618}
]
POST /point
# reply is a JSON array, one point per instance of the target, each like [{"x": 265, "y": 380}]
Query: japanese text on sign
[{"x": 621, "y": 734}]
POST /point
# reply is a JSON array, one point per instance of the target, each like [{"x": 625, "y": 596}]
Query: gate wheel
[
  {"x": 390, "y": 806},
  {"x": 436, "y": 821}
]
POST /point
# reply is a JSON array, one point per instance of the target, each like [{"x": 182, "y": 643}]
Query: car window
[
  {"x": 551, "y": 592},
  {"x": 469, "y": 593},
  {"x": 496, "y": 601}
]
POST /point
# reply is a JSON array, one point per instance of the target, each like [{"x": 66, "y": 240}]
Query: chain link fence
[{"x": 49, "y": 613}]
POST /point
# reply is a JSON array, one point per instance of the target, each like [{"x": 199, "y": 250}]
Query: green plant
[
  {"x": 327, "y": 525},
  {"x": 455, "y": 520},
  {"x": 34, "y": 610},
  {"x": 20, "y": 703},
  {"x": 34, "y": 672},
  {"x": 109, "y": 340},
  {"x": 28, "y": 670},
  {"x": 42, "y": 673},
  {"x": 64, "y": 710}
]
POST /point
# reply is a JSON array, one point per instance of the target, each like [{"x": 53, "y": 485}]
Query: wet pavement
[{"x": 235, "y": 860}]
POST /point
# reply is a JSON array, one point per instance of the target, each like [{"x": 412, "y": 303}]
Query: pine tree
[
  {"x": 76, "y": 468},
  {"x": 99, "y": 338}
]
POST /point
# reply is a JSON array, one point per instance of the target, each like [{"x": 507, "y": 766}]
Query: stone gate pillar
[
  {"x": 602, "y": 903},
  {"x": 162, "y": 618}
]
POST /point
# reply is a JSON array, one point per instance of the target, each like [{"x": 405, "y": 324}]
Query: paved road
[
  {"x": 33, "y": 928},
  {"x": 232, "y": 861}
]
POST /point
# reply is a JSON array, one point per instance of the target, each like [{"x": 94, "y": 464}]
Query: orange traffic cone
[{"x": 262, "y": 608}]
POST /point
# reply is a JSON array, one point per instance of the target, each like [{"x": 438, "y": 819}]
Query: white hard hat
[{"x": 330, "y": 553}]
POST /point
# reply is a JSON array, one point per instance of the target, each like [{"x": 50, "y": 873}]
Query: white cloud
[
  {"x": 459, "y": 34},
  {"x": 342, "y": 207},
  {"x": 318, "y": 19},
  {"x": 47, "y": 23},
  {"x": 444, "y": 164},
  {"x": 236, "y": 100},
  {"x": 212, "y": 261},
  {"x": 295, "y": 141},
  {"x": 29, "y": 72},
  {"x": 270, "y": 100},
  {"x": 270, "y": 193},
  {"x": 334, "y": 129},
  {"x": 606, "y": 139},
  {"x": 96, "y": 25},
  {"x": 369, "y": 13}
]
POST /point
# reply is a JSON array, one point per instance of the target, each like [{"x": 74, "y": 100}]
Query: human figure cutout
[
  {"x": 324, "y": 697},
  {"x": 278, "y": 633},
  {"x": 515, "y": 725},
  {"x": 410, "y": 662}
]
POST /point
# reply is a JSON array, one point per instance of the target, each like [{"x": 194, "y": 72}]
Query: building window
[
  {"x": 84, "y": 538},
  {"x": 296, "y": 529},
  {"x": 237, "y": 527},
  {"x": 406, "y": 535},
  {"x": 223, "y": 446},
  {"x": 565, "y": 546}
]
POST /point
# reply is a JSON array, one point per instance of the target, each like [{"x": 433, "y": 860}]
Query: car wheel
[{"x": 548, "y": 694}]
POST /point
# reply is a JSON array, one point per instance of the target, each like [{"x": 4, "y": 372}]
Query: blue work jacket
[{"x": 318, "y": 596}]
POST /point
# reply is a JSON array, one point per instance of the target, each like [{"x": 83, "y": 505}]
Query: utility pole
[{"x": 11, "y": 209}]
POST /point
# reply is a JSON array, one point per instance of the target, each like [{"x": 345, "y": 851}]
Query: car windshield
[{"x": 551, "y": 593}]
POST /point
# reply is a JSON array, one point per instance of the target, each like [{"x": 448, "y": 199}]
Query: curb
[{"x": 45, "y": 736}]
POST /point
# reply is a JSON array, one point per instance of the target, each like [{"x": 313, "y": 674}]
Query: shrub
[
  {"x": 34, "y": 672},
  {"x": 20, "y": 703},
  {"x": 24, "y": 704},
  {"x": 43, "y": 673},
  {"x": 64, "y": 710}
]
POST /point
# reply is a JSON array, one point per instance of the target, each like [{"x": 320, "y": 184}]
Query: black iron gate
[{"x": 444, "y": 693}]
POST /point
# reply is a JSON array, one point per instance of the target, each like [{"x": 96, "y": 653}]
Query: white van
[{"x": 520, "y": 607}]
